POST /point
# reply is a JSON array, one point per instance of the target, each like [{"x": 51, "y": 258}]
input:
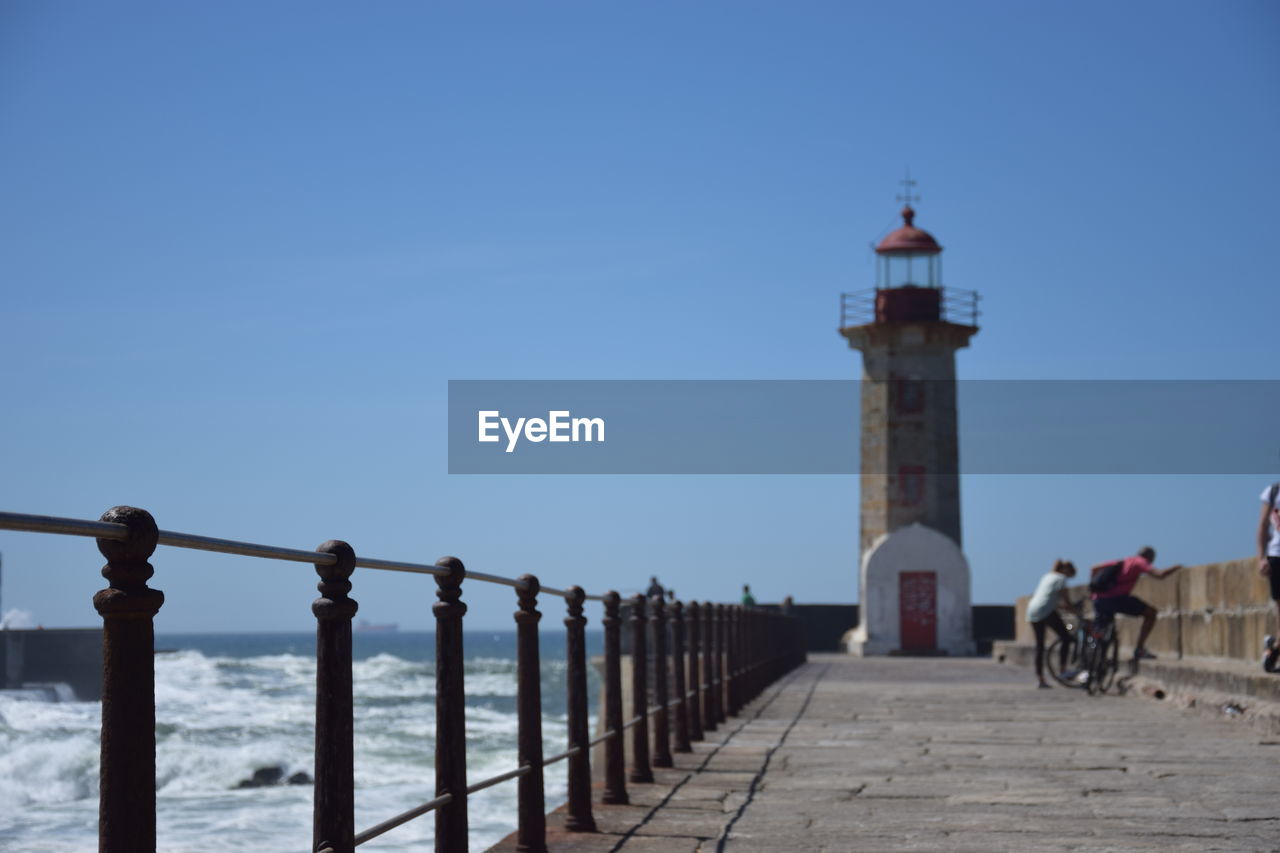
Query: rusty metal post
[
  {"x": 531, "y": 833},
  {"x": 677, "y": 662},
  {"x": 756, "y": 654},
  {"x": 760, "y": 647},
  {"x": 789, "y": 637},
  {"x": 793, "y": 641},
  {"x": 580, "y": 818},
  {"x": 127, "y": 775},
  {"x": 661, "y": 693},
  {"x": 732, "y": 660},
  {"x": 695, "y": 673},
  {"x": 708, "y": 667},
  {"x": 451, "y": 718},
  {"x": 718, "y": 621},
  {"x": 774, "y": 658},
  {"x": 745, "y": 663},
  {"x": 640, "y": 770},
  {"x": 775, "y": 632},
  {"x": 766, "y": 641},
  {"x": 753, "y": 654},
  {"x": 334, "y": 810},
  {"x": 615, "y": 784},
  {"x": 780, "y": 660}
]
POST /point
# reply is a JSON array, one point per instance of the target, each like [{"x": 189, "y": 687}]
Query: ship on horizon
[{"x": 366, "y": 627}]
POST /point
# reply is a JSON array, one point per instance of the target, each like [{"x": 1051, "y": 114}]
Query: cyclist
[
  {"x": 1042, "y": 613},
  {"x": 1120, "y": 598}
]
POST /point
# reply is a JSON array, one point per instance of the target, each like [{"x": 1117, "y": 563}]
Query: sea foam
[{"x": 220, "y": 717}]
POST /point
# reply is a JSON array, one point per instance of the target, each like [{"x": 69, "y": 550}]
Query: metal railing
[
  {"x": 957, "y": 306},
  {"x": 733, "y": 653}
]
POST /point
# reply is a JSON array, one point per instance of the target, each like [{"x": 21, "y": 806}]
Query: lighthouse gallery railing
[
  {"x": 955, "y": 306},
  {"x": 732, "y": 653}
]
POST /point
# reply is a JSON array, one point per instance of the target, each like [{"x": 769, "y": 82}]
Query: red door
[{"x": 918, "y": 610}]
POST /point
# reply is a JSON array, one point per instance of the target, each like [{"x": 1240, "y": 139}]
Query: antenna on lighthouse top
[{"x": 907, "y": 184}]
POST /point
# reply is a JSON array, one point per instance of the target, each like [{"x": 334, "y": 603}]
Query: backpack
[{"x": 1104, "y": 576}]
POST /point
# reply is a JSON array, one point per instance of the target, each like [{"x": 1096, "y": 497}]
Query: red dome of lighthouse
[{"x": 908, "y": 238}]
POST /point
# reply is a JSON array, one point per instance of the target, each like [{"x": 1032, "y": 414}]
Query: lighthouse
[{"x": 914, "y": 585}]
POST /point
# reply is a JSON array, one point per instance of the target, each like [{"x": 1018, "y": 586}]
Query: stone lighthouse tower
[{"x": 913, "y": 579}]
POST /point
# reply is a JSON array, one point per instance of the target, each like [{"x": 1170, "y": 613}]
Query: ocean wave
[{"x": 221, "y": 717}]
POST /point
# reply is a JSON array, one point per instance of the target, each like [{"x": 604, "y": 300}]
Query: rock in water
[{"x": 262, "y": 777}]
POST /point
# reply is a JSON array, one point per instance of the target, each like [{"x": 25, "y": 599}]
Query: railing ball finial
[
  {"x": 334, "y": 584},
  {"x": 143, "y": 537},
  {"x": 456, "y": 572},
  {"x": 527, "y": 593}
]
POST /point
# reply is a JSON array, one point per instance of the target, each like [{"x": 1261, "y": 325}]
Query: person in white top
[
  {"x": 1269, "y": 563},
  {"x": 1042, "y": 613}
]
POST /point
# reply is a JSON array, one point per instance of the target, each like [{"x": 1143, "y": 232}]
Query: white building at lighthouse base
[{"x": 914, "y": 597}]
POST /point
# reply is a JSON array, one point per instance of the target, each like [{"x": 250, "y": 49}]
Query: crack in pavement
[
  {"x": 710, "y": 755},
  {"x": 764, "y": 768}
]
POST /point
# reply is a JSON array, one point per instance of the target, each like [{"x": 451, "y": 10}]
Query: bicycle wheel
[
  {"x": 1110, "y": 658},
  {"x": 1052, "y": 656},
  {"x": 1089, "y": 660}
]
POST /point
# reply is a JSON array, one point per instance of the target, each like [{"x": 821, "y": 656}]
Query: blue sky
[{"x": 247, "y": 245}]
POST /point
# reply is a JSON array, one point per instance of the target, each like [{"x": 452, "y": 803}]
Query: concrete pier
[{"x": 950, "y": 754}]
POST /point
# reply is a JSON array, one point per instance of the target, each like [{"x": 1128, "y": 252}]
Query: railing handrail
[{"x": 119, "y": 532}]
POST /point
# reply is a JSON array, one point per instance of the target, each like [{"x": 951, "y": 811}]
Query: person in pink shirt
[{"x": 1120, "y": 598}]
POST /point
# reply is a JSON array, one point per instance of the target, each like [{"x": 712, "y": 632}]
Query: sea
[{"x": 230, "y": 704}]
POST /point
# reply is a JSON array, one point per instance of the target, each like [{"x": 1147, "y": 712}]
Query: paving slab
[{"x": 951, "y": 754}]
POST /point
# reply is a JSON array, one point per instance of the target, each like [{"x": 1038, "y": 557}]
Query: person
[
  {"x": 1042, "y": 613},
  {"x": 1269, "y": 565},
  {"x": 655, "y": 588},
  {"x": 1120, "y": 598},
  {"x": 748, "y": 600}
]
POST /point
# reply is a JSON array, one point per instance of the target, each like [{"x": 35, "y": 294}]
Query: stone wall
[
  {"x": 826, "y": 624},
  {"x": 1219, "y": 610},
  {"x": 71, "y": 656}
]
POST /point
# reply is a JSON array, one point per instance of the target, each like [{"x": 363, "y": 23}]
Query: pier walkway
[{"x": 959, "y": 755}]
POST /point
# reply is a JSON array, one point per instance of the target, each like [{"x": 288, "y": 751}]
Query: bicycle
[
  {"x": 1101, "y": 656},
  {"x": 1092, "y": 660}
]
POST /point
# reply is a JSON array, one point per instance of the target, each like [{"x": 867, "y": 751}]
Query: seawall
[{"x": 71, "y": 656}]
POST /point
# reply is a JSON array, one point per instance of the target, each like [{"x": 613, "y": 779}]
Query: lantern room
[{"x": 908, "y": 257}]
